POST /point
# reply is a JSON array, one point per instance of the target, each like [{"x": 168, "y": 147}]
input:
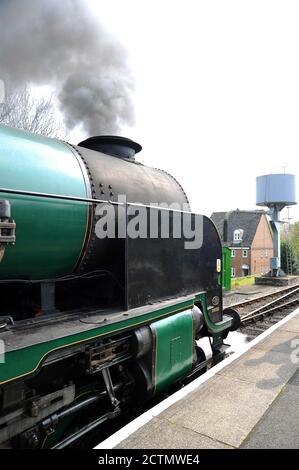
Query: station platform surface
[{"x": 250, "y": 400}]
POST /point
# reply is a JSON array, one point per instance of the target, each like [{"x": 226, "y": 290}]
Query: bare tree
[{"x": 24, "y": 110}]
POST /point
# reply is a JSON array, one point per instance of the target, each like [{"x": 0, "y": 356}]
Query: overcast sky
[{"x": 217, "y": 91}]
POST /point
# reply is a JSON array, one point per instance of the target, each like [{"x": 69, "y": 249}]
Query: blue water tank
[{"x": 277, "y": 189}]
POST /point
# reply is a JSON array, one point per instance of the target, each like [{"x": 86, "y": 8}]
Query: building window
[
  {"x": 233, "y": 253},
  {"x": 238, "y": 235},
  {"x": 245, "y": 270},
  {"x": 233, "y": 272},
  {"x": 245, "y": 253}
]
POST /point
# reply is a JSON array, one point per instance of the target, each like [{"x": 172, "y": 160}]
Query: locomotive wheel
[
  {"x": 198, "y": 369},
  {"x": 201, "y": 357}
]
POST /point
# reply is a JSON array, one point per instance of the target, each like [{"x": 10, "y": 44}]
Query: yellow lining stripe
[{"x": 85, "y": 340}]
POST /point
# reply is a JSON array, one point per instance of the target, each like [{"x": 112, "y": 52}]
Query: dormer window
[{"x": 238, "y": 235}]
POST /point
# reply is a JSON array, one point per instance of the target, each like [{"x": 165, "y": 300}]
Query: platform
[
  {"x": 250, "y": 400},
  {"x": 277, "y": 281}
]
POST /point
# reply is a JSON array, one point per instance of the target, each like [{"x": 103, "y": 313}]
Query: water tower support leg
[{"x": 275, "y": 224}]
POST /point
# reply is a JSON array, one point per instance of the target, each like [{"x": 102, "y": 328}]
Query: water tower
[{"x": 276, "y": 192}]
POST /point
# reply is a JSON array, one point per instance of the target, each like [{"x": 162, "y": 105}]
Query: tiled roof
[{"x": 234, "y": 220}]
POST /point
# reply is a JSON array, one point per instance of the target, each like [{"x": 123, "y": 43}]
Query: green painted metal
[
  {"x": 174, "y": 349},
  {"x": 213, "y": 328},
  {"x": 24, "y": 361},
  {"x": 226, "y": 268},
  {"x": 50, "y": 233}
]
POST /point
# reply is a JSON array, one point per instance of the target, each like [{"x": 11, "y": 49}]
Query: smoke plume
[{"x": 60, "y": 43}]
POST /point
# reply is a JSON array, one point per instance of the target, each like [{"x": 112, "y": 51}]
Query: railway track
[
  {"x": 269, "y": 309},
  {"x": 245, "y": 305}
]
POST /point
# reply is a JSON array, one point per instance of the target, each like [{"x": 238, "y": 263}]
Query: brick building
[{"x": 248, "y": 234}]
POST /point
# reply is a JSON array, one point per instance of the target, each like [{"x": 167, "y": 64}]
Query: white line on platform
[{"x": 137, "y": 423}]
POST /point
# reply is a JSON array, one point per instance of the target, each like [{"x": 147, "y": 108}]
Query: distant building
[{"x": 248, "y": 234}]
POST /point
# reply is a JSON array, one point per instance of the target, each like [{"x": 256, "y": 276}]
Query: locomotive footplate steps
[{"x": 250, "y": 400}]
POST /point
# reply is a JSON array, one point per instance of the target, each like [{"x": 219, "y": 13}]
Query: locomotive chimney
[{"x": 116, "y": 146}]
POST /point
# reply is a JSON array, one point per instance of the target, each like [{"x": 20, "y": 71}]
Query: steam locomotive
[{"x": 91, "y": 325}]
